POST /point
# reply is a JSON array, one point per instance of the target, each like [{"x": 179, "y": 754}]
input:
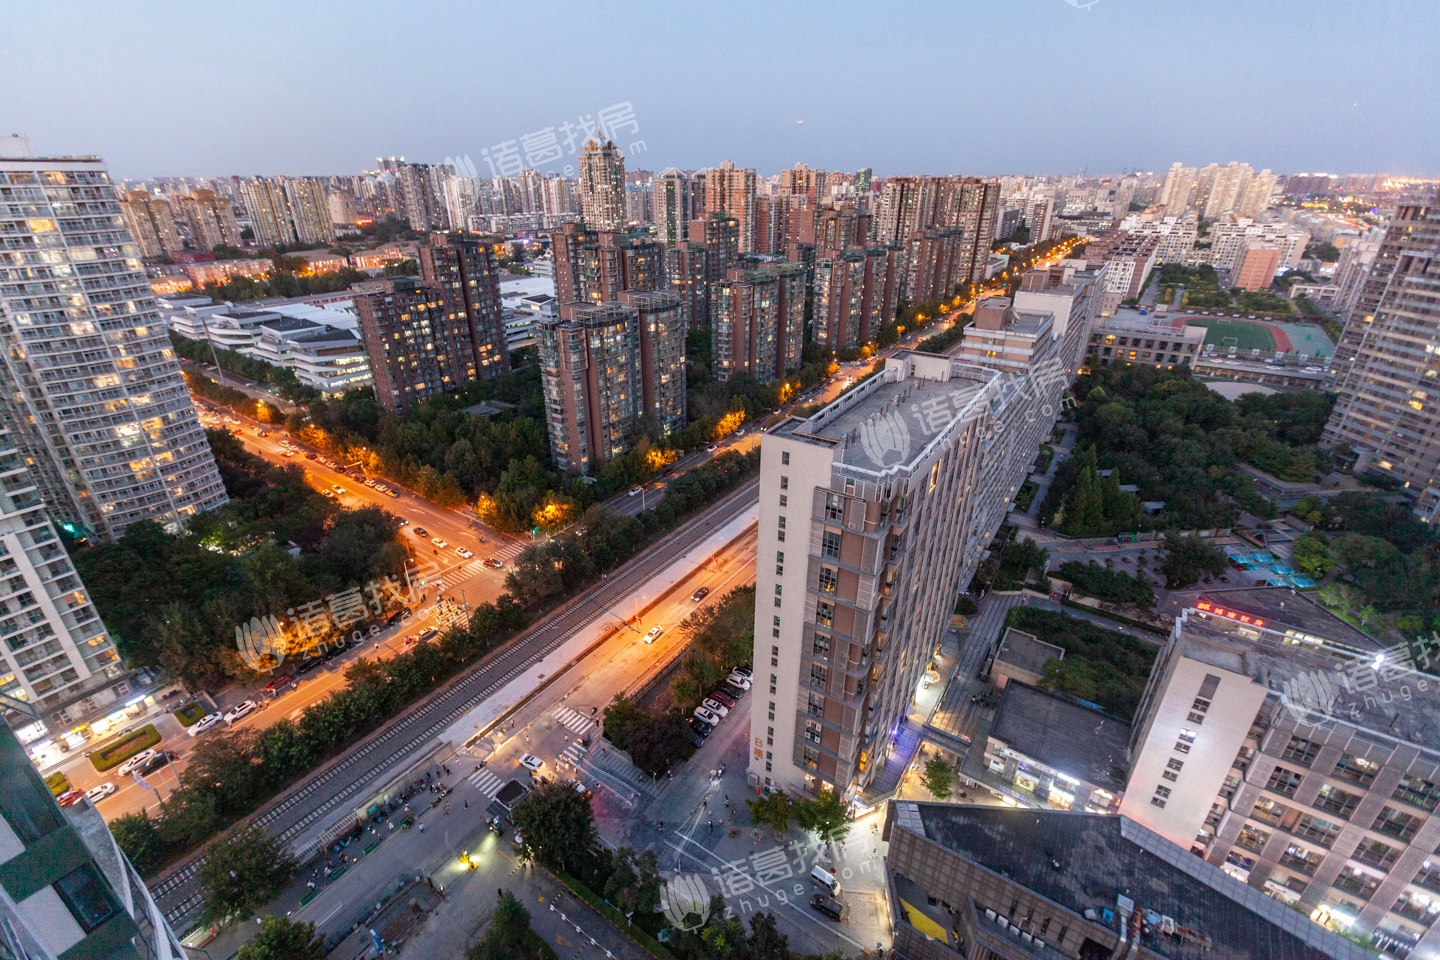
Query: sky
[{"x": 204, "y": 88}]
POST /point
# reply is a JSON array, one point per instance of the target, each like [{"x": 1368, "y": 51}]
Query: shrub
[
  {"x": 141, "y": 738},
  {"x": 190, "y": 714},
  {"x": 58, "y": 784}
]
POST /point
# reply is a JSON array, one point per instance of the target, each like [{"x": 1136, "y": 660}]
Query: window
[
  {"x": 784, "y": 500},
  {"x": 1174, "y": 764},
  {"x": 777, "y": 622},
  {"x": 816, "y": 705},
  {"x": 819, "y": 675},
  {"x": 1284, "y": 782},
  {"x": 829, "y": 579},
  {"x": 1182, "y": 746},
  {"x": 1269, "y": 811},
  {"x": 780, "y": 535},
  {"x": 1188, "y": 735},
  {"x": 779, "y": 589},
  {"x": 779, "y": 570},
  {"x": 1336, "y": 801},
  {"x": 1396, "y": 824},
  {"x": 785, "y": 459},
  {"x": 1201, "y": 705},
  {"x": 812, "y": 731},
  {"x": 825, "y": 614},
  {"x": 31, "y": 814},
  {"x": 1299, "y": 859},
  {"x": 1157, "y": 802},
  {"x": 782, "y": 523},
  {"x": 1162, "y": 792},
  {"x": 777, "y": 603},
  {"x": 85, "y": 895},
  {"x": 811, "y": 757},
  {"x": 834, "y": 508},
  {"x": 830, "y": 544},
  {"x": 1377, "y": 854},
  {"x": 1301, "y": 750},
  {"x": 1196, "y": 717},
  {"x": 1252, "y": 838},
  {"x": 1170, "y": 775},
  {"x": 1314, "y": 828},
  {"x": 1357, "y": 770},
  {"x": 1418, "y": 792},
  {"x": 779, "y": 556},
  {"x": 821, "y": 646},
  {"x": 784, "y": 483}
]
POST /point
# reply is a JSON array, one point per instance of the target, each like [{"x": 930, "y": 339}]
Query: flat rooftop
[
  {"x": 1064, "y": 736},
  {"x": 1284, "y": 608},
  {"x": 1027, "y": 651},
  {"x": 1086, "y": 861}
]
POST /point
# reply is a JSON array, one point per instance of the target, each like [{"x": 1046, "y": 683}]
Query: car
[
  {"x": 403, "y": 522},
  {"x": 421, "y": 532},
  {"x": 829, "y": 906},
  {"x": 69, "y": 798},
  {"x": 465, "y": 554},
  {"x": 654, "y": 634},
  {"x": 739, "y": 679},
  {"x": 744, "y": 671},
  {"x": 713, "y": 447},
  {"x": 328, "y": 493},
  {"x": 715, "y": 706},
  {"x": 100, "y": 791},
  {"x": 287, "y": 453},
  {"x": 696, "y": 740},
  {"x": 722, "y": 698},
  {"x": 369, "y": 481},
  {"x": 204, "y": 723},
  {"x": 428, "y": 634},
  {"x": 156, "y": 762},
  {"x": 402, "y": 614},
  {"x": 308, "y": 664},
  {"x": 381, "y": 487},
  {"x": 700, "y": 594},
  {"x": 337, "y": 488},
  {"x": 701, "y": 727},
  {"x": 731, "y": 690},
  {"x": 240, "y": 711},
  {"x": 129, "y": 766},
  {"x": 532, "y": 763},
  {"x": 583, "y": 790},
  {"x": 440, "y": 542},
  {"x": 260, "y": 433},
  {"x": 387, "y": 491},
  {"x": 636, "y": 491},
  {"x": 279, "y": 683},
  {"x": 310, "y": 456},
  {"x": 494, "y": 562},
  {"x": 701, "y": 713}
]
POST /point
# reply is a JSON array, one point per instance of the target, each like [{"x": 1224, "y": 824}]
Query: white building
[
  {"x": 1228, "y": 239},
  {"x": 1174, "y": 236}
]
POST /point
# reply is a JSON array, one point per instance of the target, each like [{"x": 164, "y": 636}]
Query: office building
[
  {"x": 591, "y": 377},
  {"x": 151, "y": 224},
  {"x": 757, "y": 322},
  {"x": 1137, "y": 336},
  {"x": 992, "y": 883},
  {"x": 731, "y": 190},
  {"x": 687, "y": 275},
  {"x": 673, "y": 211},
  {"x": 465, "y": 269},
  {"x": 1386, "y": 411},
  {"x": 1255, "y": 266},
  {"x": 68, "y": 889},
  {"x": 1002, "y": 338},
  {"x": 1304, "y": 763},
  {"x": 602, "y": 185},
  {"x": 309, "y": 209},
  {"x": 211, "y": 219},
  {"x": 94, "y": 396},
  {"x": 330, "y": 359}
]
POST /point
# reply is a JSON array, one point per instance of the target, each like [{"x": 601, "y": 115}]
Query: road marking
[
  {"x": 486, "y": 782},
  {"x": 573, "y": 720}
]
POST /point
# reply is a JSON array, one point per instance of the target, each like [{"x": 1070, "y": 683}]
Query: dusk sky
[{"x": 1022, "y": 86}]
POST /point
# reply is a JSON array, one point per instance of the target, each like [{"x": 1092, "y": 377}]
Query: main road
[{"x": 301, "y": 811}]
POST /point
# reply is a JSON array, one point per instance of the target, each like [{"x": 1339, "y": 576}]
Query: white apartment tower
[
  {"x": 93, "y": 394},
  {"x": 602, "y": 185}
]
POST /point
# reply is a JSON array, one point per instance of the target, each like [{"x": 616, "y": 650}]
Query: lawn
[
  {"x": 1241, "y": 334},
  {"x": 1102, "y": 666}
]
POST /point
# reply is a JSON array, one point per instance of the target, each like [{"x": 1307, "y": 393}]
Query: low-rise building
[
  {"x": 1138, "y": 336},
  {"x": 1022, "y": 656},
  {"x": 223, "y": 271}
]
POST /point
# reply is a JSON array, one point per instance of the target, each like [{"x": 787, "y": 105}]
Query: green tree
[
  {"x": 622, "y": 719},
  {"x": 243, "y": 871},
  {"x": 1310, "y": 554},
  {"x": 1188, "y": 558},
  {"x": 634, "y": 885},
  {"x": 773, "y": 810},
  {"x": 825, "y": 816},
  {"x": 557, "y": 825},
  {"x": 509, "y": 935},
  {"x": 938, "y": 778},
  {"x": 281, "y": 939},
  {"x": 661, "y": 743},
  {"x": 139, "y": 837}
]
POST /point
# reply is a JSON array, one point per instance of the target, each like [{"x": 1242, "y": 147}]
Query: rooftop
[
  {"x": 1130, "y": 318},
  {"x": 1027, "y": 651},
  {"x": 1289, "y": 609},
  {"x": 1063, "y": 735},
  {"x": 1086, "y": 861}
]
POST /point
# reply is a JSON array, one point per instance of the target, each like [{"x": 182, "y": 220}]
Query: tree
[
  {"x": 634, "y": 885},
  {"x": 1311, "y": 556},
  {"x": 557, "y": 825},
  {"x": 622, "y": 719},
  {"x": 510, "y": 936},
  {"x": 773, "y": 810},
  {"x": 281, "y": 939},
  {"x": 825, "y": 816},
  {"x": 661, "y": 743},
  {"x": 1188, "y": 558},
  {"x": 938, "y": 778},
  {"x": 242, "y": 872}
]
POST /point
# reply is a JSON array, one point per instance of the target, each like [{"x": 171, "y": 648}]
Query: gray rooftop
[
  {"x": 1027, "y": 651},
  {"x": 1063, "y": 735},
  {"x": 1082, "y": 861},
  {"x": 1294, "y": 610}
]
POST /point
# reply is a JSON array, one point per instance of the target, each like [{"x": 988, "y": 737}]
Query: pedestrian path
[
  {"x": 617, "y": 767},
  {"x": 486, "y": 782}
]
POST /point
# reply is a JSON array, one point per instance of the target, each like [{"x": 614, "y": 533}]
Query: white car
[
  {"x": 240, "y": 712},
  {"x": 465, "y": 554},
  {"x": 707, "y": 716},
  {"x": 739, "y": 679},
  {"x": 133, "y": 764},
  {"x": 636, "y": 491},
  {"x": 337, "y": 488},
  {"x": 532, "y": 763},
  {"x": 715, "y": 706},
  {"x": 100, "y": 791},
  {"x": 369, "y": 481},
  {"x": 204, "y": 723},
  {"x": 442, "y": 544},
  {"x": 654, "y": 634}
]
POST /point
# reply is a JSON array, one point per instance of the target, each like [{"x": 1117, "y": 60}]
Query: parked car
[
  {"x": 328, "y": 493},
  {"x": 279, "y": 683},
  {"x": 100, "y": 791},
  {"x": 156, "y": 762},
  {"x": 129, "y": 766},
  {"x": 463, "y": 553},
  {"x": 739, "y": 679},
  {"x": 532, "y": 763},
  {"x": 402, "y": 614},
  {"x": 369, "y": 481},
  {"x": 308, "y": 664},
  {"x": 700, "y": 594},
  {"x": 69, "y": 798},
  {"x": 240, "y": 711},
  {"x": 337, "y": 488},
  {"x": 744, "y": 671},
  {"x": 654, "y": 634},
  {"x": 730, "y": 690},
  {"x": 724, "y": 699},
  {"x": 204, "y": 723},
  {"x": 421, "y": 532},
  {"x": 703, "y": 714},
  {"x": 715, "y": 706},
  {"x": 310, "y": 456},
  {"x": 387, "y": 491},
  {"x": 701, "y": 727},
  {"x": 828, "y": 906}
]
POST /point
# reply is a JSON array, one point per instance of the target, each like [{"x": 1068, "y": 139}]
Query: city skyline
[{"x": 183, "y": 116}]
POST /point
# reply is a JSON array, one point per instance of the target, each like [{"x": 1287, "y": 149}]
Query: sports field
[{"x": 1244, "y": 335}]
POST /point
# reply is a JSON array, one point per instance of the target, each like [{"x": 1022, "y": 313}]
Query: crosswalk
[
  {"x": 572, "y": 720},
  {"x": 486, "y": 782}
]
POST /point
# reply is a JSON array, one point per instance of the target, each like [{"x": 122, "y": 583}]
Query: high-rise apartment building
[
  {"x": 566, "y": 245},
  {"x": 801, "y": 181},
  {"x": 211, "y": 219},
  {"x": 264, "y": 202},
  {"x": 309, "y": 209},
  {"x": 1222, "y": 189},
  {"x": 1129, "y": 259},
  {"x": 619, "y": 261},
  {"x": 417, "y": 347},
  {"x": 151, "y": 224},
  {"x": 906, "y": 206},
  {"x": 419, "y": 192},
  {"x": 661, "y": 325},
  {"x": 720, "y": 232},
  {"x": 1390, "y": 397},
  {"x": 465, "y": 269},
  {"x": 68, "y": 889},
  {"x": 834, "y": 230},
  {"x": 555, "y": 198},
  {"x": 687, "y": 275},
  {"x": 1174, "y": 236},
  {"x": 1179, "y": 187},
  {"x": 1255, "y": 199},
  {"x": 602, "y": 185},
  {"x": 1256, "y": 265},
  {"x": 1228, "y": 239},
  {"x": 856, "y": 293},
  {"x": 94, "y": 397},
  {"x": 731, "y": 190},
  {"x": 673, "y": 211},
  {"x": 757, "y": 322}
]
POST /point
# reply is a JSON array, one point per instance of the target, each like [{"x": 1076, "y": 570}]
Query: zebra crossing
[
  {"x": 486, "y": 782},
  {"x": 572, "y": 720}
]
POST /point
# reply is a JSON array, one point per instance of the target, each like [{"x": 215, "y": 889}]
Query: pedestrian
[
  {"x": 705, "y": 803},
  {"x": 310, "y": 884},
  {"x": 467, "y": 804},
  {"x": 422, "y": 828}
]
